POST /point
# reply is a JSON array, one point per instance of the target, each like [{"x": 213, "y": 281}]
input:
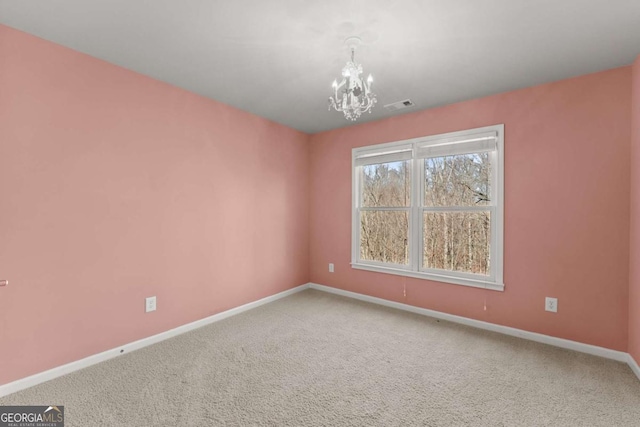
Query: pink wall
[
  {"x": 634, "y": 256},
  {"x": 566, "y": 208},
  {"x": 115, "y": 187}
]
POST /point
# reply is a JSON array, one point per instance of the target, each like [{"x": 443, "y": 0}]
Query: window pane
[
  {"x": 457, "y": 241},
  {"x": 383, "y": 236},
  {"x": 461, "y": 180},
  {"x": 386, "y": 185}
]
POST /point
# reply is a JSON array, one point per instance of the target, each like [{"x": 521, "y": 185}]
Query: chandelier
[{"x": 353, "y": 94}]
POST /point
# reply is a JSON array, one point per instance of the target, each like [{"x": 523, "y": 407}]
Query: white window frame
[{"x": 443, "y": 142}]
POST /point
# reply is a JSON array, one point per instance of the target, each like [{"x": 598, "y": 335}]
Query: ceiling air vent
[{"x": 399, "y": 105}]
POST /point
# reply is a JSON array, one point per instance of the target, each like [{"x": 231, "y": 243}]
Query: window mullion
[{"x": 415, "y": 233}]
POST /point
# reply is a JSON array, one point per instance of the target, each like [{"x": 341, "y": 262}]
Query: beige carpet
[{"x": 315, "y": 359}]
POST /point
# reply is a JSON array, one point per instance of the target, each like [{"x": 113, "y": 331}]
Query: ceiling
[{"x": 277, "y": 58}]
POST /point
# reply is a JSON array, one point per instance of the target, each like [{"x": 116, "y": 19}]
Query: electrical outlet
[
  {"x": 330, "y": 267},
  {"x": 150, "y": 304},
  {"x": 551, "y": 304}
]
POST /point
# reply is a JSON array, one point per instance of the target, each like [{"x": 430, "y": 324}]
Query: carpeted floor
[{"x": 315, "y": 359}]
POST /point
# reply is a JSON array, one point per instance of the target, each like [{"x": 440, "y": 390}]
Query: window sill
[{"x": 430, "y": 276}]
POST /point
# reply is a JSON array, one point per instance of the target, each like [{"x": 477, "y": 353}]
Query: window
[{"x": 432, "y": 207}]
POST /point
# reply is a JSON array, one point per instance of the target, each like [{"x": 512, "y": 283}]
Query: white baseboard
[
  {"x": 59, "y": 371},
  {"x": 634, "y": 366},
  {"x": 532, "y": 336}
]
